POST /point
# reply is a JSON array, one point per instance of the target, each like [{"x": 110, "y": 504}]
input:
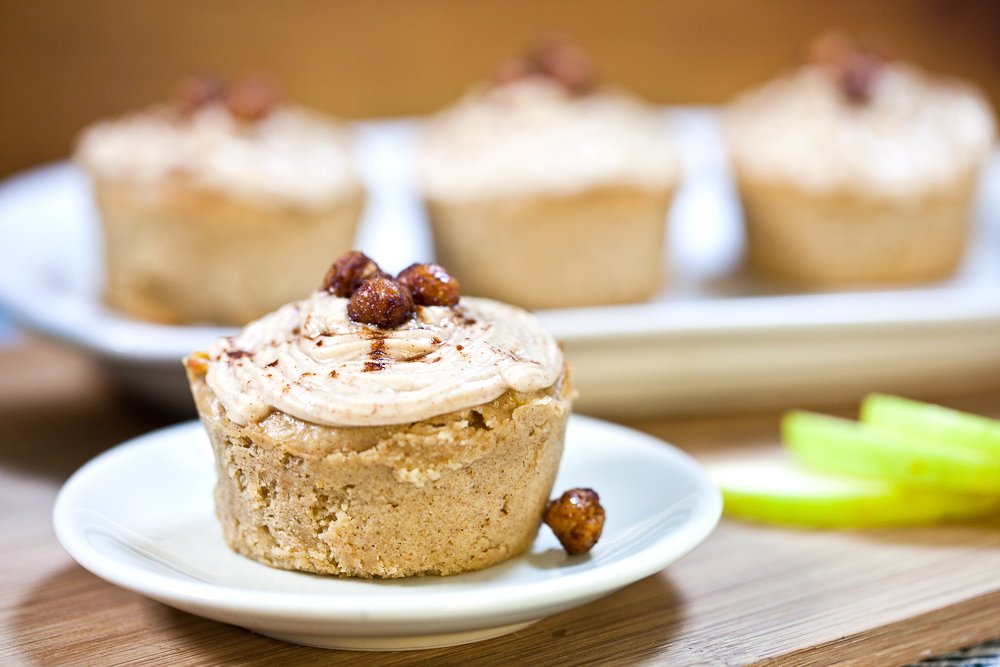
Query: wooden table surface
[{"x": 748, "y": 595}]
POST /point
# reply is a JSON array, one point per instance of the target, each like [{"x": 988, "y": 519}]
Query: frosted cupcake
[
  {"x": 858, "y": 170},
  {"x": 222, "y": 206},
  {"x": 384, "y": 427},
  {"x": 536, "y": 178}
]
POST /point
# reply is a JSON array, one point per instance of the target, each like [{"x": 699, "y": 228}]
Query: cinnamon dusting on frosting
[
  {"x": 264, "y": 151},
  {"x": 363, "y": 375},
  {"x": 913, "y": 133},
  {"x": 530, "y": 137}
]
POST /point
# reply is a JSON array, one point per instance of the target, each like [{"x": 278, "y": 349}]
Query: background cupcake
[
  {"x": 537, "y": 178},
  {"x": 856, "y": 169},
  {"x": 221, "y": 206}
]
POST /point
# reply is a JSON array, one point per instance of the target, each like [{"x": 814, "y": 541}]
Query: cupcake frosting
[
  {"x": 290, "y": 157},
  {"x": 915, "y": 132},
  {"x": 533, "y": 137},
  {"x": 309, "y": 360}
]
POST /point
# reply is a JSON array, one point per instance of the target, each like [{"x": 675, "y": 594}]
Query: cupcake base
[
  {"x": 445, "y": 495},
  {"x": 844, "y": 239},
  {"x": 603, "y": 246},
  {"x": 179, "y": 255}
]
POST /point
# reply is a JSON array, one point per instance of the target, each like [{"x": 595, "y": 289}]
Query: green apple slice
[
  {"x": 932, "y": 420},
  {"x": 775, "y": 490},
  {"x": 853, "y": 448}
]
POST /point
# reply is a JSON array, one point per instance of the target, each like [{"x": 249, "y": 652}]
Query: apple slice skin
[
  {"x": 776, "y": 491},
  {"x": 867, "y": 450},
  {"x": 932, "y": 420}
]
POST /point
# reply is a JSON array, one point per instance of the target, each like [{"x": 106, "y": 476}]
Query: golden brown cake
[
  {"x": 220, "y": 207},
  {"x": 534, "y": 179},
  {"x": 858, "y": 170},
  {"x": 343, "y": 447}
]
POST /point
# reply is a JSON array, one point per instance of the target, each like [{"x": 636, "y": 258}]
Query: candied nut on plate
[{"x": 577, "y": 519}]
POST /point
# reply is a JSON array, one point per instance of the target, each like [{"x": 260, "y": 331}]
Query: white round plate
[{"x": 141, "y": 516}]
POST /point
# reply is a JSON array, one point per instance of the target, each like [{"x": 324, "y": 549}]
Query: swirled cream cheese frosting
[
  {"x": 309, "y": 360},
  {"x": 533, "y": 136},
  {"x": 290, "y": 157},
  {"x": 915, "y": 132}
]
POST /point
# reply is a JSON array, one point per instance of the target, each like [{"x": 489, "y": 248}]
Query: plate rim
[{"x": 452, "y": 605}]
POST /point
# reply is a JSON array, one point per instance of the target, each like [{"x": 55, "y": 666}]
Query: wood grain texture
[
  {"x": 64, "y": 65},
  {"x": 748, "y": 595}
]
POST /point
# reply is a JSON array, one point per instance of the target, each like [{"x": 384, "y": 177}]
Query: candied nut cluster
[
  {"x": 378, "y": 299},
  {"x": 248, "y": 100},
  {"x": 557, "y": 58},
  {"x": 856, "y": 66},
  {"x": 577, "y": 519}
]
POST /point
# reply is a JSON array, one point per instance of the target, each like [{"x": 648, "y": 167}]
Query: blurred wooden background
[{"x": 65, "y": 64}]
